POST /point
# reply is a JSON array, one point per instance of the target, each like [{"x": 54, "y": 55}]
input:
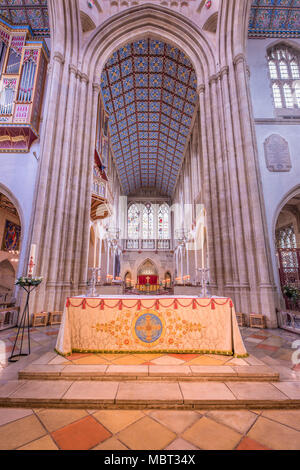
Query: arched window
[
  {"x": 148, "y": 222},
  {"x": 284, "y": 68},
  {"x": 163, "y": 222},
  {"x": 286, "y": 238},
  {"x": 133, "y": 222}
]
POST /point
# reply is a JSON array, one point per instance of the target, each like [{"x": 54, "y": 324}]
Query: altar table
[{"x": 150, "y": 324}]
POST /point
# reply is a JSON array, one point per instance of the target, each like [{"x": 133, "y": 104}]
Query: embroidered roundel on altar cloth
[{"x": 148, "y": 327}]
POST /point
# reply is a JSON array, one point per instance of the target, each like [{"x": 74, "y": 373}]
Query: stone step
[
  {"x": 143, "y": 395},
  {"x": 149, "y": 372}
]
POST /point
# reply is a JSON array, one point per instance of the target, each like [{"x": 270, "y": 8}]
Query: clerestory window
[{"x": 284, "y": 68}]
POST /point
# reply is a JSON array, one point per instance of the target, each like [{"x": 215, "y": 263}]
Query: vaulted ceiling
[
  {"x": 149, "y": 90},
  {"x": 275, "y": 18}
]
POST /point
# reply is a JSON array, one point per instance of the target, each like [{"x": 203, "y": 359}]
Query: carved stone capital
[
  {"x": 239, "y": 59},
  {"x": 201, "y": 89},
  {"x": 73, "y": 69},
  {"x": 58, "y": 57},
  {"x": 213, "y": 79},
  {"x": 96, "y": 87},
  {"x": 224, "y": 71},
  {"x": 84, "y": 77}
]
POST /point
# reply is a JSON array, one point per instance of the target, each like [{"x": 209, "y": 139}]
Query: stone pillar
[
  {"x": 240, "y": 280},
  {"x": 262, "y": 288}
]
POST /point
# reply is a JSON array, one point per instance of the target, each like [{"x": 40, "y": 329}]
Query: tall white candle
[{"x": 32, "y": 260}]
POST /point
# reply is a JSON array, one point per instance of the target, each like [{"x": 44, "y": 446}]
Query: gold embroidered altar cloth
[{"x": 150, "y": 324}]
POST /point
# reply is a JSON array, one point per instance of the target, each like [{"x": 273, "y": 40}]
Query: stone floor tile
[
  {"x": 81, "y": 435},
  {"x": 185, "y": 357},
  {"x": 267, "y": 347},
  {"x": 145, "y": 392},
  {"x": 42, "y": 389},
  {"x": 149, "y": 357},
  {"x": 75, "y": 356},
  {"x": 91, "y": 370},
  {"x": 239, "y": 420},
  {"x": 21, "y": 432},
  {"x": 10, "y": 387},
  {"x": 199, "y": 391},
  {"x": 237, "y": 362},
  {"x": 253, "y": 361},
  {"x": 92, "y": 390},
  {"x": 90, "y": 360},
  {"x": 176, "y": 421},
  {"x": 117, "y": 420},
  {"x": 249, "y": 444},
  {"x": 274, "y": 341},
  {"x": 181, "y": 444},
  {"x": 127, "y": 370},
  {"x": 109, "y": 357},
  {"x": 212, "y": 370},
  {"x": 291, "y": 389},
  {"x": 58, "y": 360},
  {"x": 44, "y": 443},
  {"x": 111, "y": 444},
  {"x": 244, "y": 371},
  {"x": 45, "y": 358},
  {"x": 206, "y": 361},
  {"x": 290, "y": 418},
  {"x": 169, "y": 371},
  {"x": 7, "y": 415},
  {"x": 46, "y": 368},
  {"x": 253, "y": 340},
  {"x": 255, "y": 391},
  {"x": 167, "y": 361},
  {"x": 131, "y": 360},
  {"x": 146, "y": 434},
  {"x": 54, "y": 419},
  {"x": 209, "y": 435},
  {"x": 274, "y": 435}
]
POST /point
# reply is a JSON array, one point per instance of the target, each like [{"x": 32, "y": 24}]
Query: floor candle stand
[{"x": 22, "y": 326}]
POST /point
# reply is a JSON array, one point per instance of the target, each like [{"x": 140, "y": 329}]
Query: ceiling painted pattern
[
  {"x": 149, "y": 90},
  {"x": 27, "y": 12},
  {"x": 275, "y": 18}
]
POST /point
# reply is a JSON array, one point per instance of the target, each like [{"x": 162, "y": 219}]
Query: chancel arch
[{"x": 227, "y": 150}]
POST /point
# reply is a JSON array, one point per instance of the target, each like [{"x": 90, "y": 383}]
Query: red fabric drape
[{"x": 143, "y": 280}]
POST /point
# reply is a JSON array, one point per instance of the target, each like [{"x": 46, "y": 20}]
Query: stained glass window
[
  {"x": 133, "y": 222},
  {"x": 286, "y": 238},
  {"x": 163, "y": 222},
  {"x": 148, "y": 222}
]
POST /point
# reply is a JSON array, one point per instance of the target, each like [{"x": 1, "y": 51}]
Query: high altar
[{"x": 143, "y": 324}]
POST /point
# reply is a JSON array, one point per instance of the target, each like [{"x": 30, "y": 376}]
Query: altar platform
[{"x": 150, "y": 324}]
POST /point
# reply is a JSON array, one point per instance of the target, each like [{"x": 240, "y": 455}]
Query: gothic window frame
[
  {"x": 130, "y": 234},
  {"x": 148, "y": 224},
  {"x": 284, "y": 73},
  {"x": 148, "y": 220},
  {"x": 282, "y": 236},
  {"x": 165, "y": 235}
]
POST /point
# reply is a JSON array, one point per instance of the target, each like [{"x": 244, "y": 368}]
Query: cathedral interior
[{"x": 150, "y": 208}]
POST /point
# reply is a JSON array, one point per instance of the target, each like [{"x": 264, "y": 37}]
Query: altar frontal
[{"x": 150, "y": 324}]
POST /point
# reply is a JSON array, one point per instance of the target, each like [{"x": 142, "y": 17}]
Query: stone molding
[{"x": 58, "y": 57}]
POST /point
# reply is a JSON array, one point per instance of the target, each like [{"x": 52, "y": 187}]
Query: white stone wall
[{"x": 276, "y": 186}]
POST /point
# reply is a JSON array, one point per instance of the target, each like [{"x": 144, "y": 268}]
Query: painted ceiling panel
[
  {"x": 275, "y": 18},
  {"x": 149, "y": 90},
  {"x": 27, "y": 12}
]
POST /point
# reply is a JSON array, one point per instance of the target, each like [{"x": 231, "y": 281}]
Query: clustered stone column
[{"x": 237, "y": 239}]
